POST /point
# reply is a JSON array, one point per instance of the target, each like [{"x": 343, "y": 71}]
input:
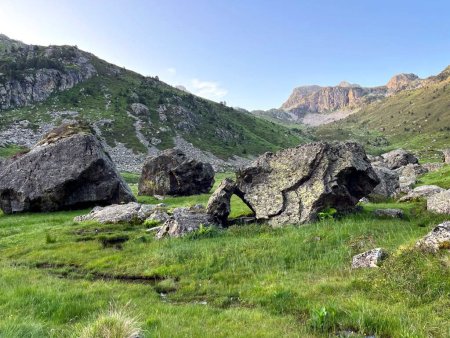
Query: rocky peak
[
  {"x": 401, "y": 82},
  {"x": 345, "y": 84}
]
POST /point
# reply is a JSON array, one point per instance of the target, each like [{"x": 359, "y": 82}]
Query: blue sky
[{"x": 248, "y": 53}]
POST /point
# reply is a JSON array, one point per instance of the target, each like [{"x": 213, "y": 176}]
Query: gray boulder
[
  {"x": 294, "y": 185},
  {"x": 439, "y": 203},
  {"x": 431, "y": 167},
  {"x": 140, "y": 110},
  {"x": 398, "y": 158},
  {"x": 421, "y": 192},
  {"x": 368, "y": 259},
  {"x": 172, "y": 173},
  {"x": 219, "y": 203},
  {"x": 184, "y": 221},
  {"x": 389, "y": 182},
  {"x": 119, "y": 213},
  {"x": 408, "y": 176},
  {"x": 389, "y": 213},
  {"x": 67, "y": 169},
  {"x": 437, "y": 239}
]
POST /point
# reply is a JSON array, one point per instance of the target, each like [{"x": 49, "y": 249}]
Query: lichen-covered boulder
[
  {"x": 219, "y": 204},
  {"x": 439, "y": 203},
  {"x": 437, "y": 239},
  {"x": 368, "y": 259},
  {"x": 408, "y": 176},
  {"x": 173, "y": 173},
  {"x": 446, "y": 153},
  {"x": 389, "y": 182},
  {"x": 398, "y": 158},
  {"x": 294, "y": 185},
  {"x": 119, "y": 213},
  {"x": 421, "y": 192},
  {"x": 67, "y": 169},
  {"x": 184, "y": 221},
  {"x": 431, "y": 167}
]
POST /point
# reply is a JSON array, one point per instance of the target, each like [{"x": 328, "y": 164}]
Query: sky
[{"x": 248, "y": 53}]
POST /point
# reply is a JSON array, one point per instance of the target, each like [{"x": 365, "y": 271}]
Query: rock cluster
[
  {"x": 172, "y": 173},
  {"x": 67, "y": 169}
]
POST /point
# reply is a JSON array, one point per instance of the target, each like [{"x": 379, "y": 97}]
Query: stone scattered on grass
[
  {"x": 437, "y": 239},
  {"x": 421, "y": 192},
  {"x": 439, "y": 203},
  {"x": 120, "y": 213},
  {"x": 389, "y": 213},
  {"x": 368, "y": 259}
]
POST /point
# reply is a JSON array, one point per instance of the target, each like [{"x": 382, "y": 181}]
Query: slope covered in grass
[{"x": 417, "y": 119}]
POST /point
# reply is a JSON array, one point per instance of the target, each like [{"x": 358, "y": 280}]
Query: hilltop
[{"x": 135, "y": 115}]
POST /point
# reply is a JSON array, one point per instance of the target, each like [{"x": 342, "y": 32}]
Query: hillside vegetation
[
  {"x": 418, "y": 120},
  {"x": 103, "y": 94}
]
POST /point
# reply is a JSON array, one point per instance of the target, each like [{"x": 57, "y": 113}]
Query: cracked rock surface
[{"x": 293, "y": 185}]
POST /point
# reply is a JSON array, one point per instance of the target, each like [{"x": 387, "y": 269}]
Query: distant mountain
[
  {"x": 135, "y": 115},
  {"x": 316, "y": 105},
  {"x": 415, "y": 114}
]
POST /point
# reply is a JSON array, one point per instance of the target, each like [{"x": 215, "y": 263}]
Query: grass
[
  {"x": 440, "y": 178},
  {"x": 10, "y": 150},
  {"x": 56, "y": 277}
]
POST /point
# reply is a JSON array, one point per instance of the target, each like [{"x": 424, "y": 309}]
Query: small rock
[
  {"x": 438, "y": 238},
  {"x": 433, "y": 166},
  {"x": 389, "y": 213},
  {"x": 446, "y": 153},
  {"x": 219, "y": 202},
  {"x": 368, "y": 259}
]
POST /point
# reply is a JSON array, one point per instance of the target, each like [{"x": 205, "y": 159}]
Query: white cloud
[
  {"x": 172, "y": 71},
  {"x": 208, "y": 89}
]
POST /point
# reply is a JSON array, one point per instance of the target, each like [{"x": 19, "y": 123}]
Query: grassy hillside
[
  {"x": 417, "y": 119},
  {"x": 108, "y": 96},
  {"x": 56, "y": 277}
]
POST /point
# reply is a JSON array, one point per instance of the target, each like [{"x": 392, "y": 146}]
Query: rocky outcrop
[
  {"x": 439, "y": 203},
  {"x": 389, "y": 182},
  {"x": 398, "y": 158},
  {"x": 41, "y": 71},
  {"x": 368, "y": 259},
  {"x": 294, "y": 185},
  {"x": 403, "y": 81},
  {"x": 421, "y": 192},
  {"x": 119, "y": 213},
  {"x": 219, "y": 204},
  {"x": 184, "y": 221},
  {"x": 67, "y": 169},
  {"x": 437, "y": 239},
  {"x": 172, "y": 173}
]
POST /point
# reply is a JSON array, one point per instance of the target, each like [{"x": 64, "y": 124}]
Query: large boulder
[
  {"x": 172, "y": 173},
  {"x": 67, "y": 169},
  {"x": 219, "y": 204},
  {"x": 398, "y": 158},
  {"x": 294, "y": 185},
  {"x": 437, "y": 239},
  {"x": 389, "y": 182},
  {"x": 421, "y": 192},
  {"x": 184, "y": 221},
  {"x": 119, "y": 213},
  {"x": 440, "y": 202}
]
